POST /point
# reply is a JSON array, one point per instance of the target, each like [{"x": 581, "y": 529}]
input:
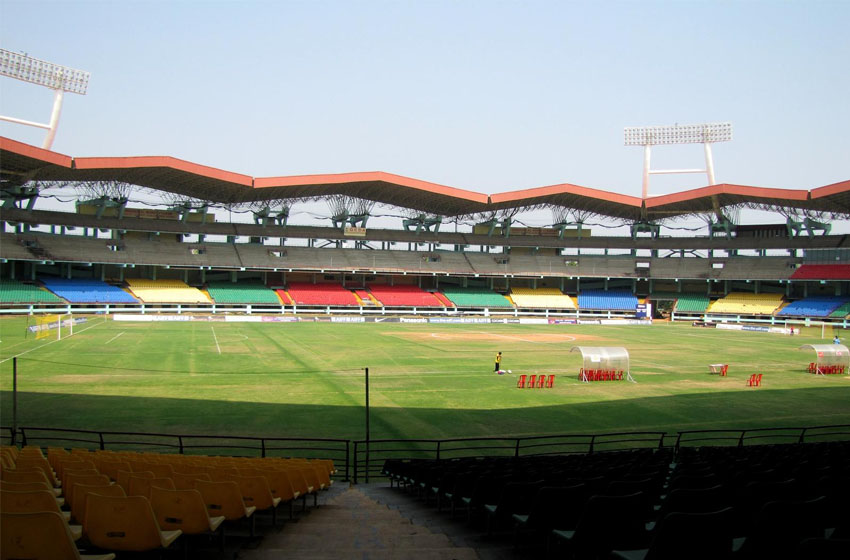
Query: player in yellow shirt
[{"x": 498, "y": 362}]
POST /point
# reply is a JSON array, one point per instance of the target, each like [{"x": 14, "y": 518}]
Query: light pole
[
  {"x": 705, "y": 134},
  {"x": 58, "y": 78}
]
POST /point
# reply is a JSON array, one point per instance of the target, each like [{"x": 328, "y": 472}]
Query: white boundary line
[
  {"x": 113, "y": 338},
  {"x": 216, "y": 339},
  {"x": 51, "y": 342}
]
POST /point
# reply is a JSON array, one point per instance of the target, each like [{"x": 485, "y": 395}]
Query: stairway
[{"x": 352, "y": 525}]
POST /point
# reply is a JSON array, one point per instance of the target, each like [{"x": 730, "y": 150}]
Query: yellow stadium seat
[
  {"x": 42, "y": 535},
  {"x": 125, "y": 524}
]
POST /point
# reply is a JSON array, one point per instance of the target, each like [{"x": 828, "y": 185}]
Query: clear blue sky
[{"x": 486, "y": 96}]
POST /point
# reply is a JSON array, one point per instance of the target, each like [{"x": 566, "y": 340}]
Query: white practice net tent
[
  {"x": 599, "y": 362},
  {"x": 829, "y": 358}
]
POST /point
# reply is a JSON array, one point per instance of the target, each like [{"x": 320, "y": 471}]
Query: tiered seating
[
  {"x": 685, "y": 303},
  {"x": 818, "y": 306},
  {"x": 841, "y": 312},
  {"x": 253, "y": 293},
  {"x": 127, "y": 501},
  {"x": 822, "y": 272},
  {"x": 80, "y": 290},
  {"x": 404, "y": 295},
  {"x": 475, "y": 297},
  {"x": 692, "y": 303},
  {"x": 743, "y": 303},
  {"x": 542, "y": 298},
  {"x": 165, "y": 291},
  {"x": 613, "y": 300},
  {"x": 365, "y": 298},
  {"x": 304, "y": 293},
  {"x": 12, "y": 291},
  {"x": 766, "y": 501}
]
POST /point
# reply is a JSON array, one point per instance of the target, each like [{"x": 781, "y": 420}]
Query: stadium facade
[{"x": 795, "y": 269}]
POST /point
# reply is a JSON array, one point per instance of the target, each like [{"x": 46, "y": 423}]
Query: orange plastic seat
[
  {"x": 225, "y": 499},
  {"x": 124, "y": 523},
  {"x": 40, "y": 535},
  {"x": 82, "y": 491},
  {"x": 184, "y": 510}
]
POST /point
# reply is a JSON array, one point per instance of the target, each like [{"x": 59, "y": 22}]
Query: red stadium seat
[
  {"x": 532, "y": 379},
  {"x": 550, "y": 382},
  {"x": 520, "y": 383}
]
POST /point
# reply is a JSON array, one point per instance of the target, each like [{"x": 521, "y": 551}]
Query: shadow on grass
[{"x": 712, "y": 410}]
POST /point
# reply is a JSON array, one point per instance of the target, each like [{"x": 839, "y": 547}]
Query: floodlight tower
[
  {"x": 58, "y": 78},
  {"x": 705, "y": 134}
]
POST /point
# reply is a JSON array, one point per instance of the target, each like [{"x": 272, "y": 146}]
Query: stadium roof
[{"x": 20, "y": 163}]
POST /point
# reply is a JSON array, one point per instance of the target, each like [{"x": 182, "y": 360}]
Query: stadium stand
[
  {"x": 841, "y": 312},
  {"x": 304, "y": 293},
  {"x": 475, "y": 297},
  {"x": 607, "y": 300},
  {"x": 365, "y": 298},
  {"x": 242, "y": 293},
  {"x": 692, "y": 303},
  {"x": 79, "y": 290},
  {"x": 404, "y": 295},
  {"x": 817, "y": 306},
  {"x": 822, "y": 272},
  {"x": 542, "y": 298},
  {"x": 743, "y": 303},
  {"x": 165, "y": 291},
  {"x": 13, "y": 291},
  {"x": 561, "y": 515}
]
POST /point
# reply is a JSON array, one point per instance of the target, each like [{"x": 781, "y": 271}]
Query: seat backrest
[
  {"x": 41, "y": 534},
  {"x": 25, "y": 502},
  {"x": 701, "y": 536},
  {"x": 180, "y": 509},
  {"x": 24, "y": 475},
  {"x": 121, "y": 523},
  {"x": 141, "y": 485},
  {"x": 222, "y": 498},
  {"x": 596, "y": 531},
  {"x": 255, "y": 491},
  {"x": 25, "y": 486},
  {"x": 82, "y": 491},
  {"x": 187, "y": 481},
  {"x": 279, "y": 484}
]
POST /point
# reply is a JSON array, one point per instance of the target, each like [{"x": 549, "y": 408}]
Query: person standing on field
[{"x": 498, "y": 362}]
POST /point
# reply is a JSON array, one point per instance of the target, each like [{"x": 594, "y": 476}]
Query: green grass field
[{"x": 426, "y": 380}]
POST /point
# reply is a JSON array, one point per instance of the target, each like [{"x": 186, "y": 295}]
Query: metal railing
[
  {"x": 761, "y": 436},
  {"x": 337, "y": 450},
  {"x": 369, "y": 456}
]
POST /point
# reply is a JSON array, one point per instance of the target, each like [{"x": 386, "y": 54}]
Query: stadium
[{"x": 166, "y": 317}]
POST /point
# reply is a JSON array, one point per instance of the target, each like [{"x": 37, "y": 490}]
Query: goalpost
[{"x": 44, "y": 324}]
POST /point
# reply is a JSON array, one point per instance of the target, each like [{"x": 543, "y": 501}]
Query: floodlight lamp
[
  {"x": 678, "y": 134},
  {"x": 35, "y": 71}
]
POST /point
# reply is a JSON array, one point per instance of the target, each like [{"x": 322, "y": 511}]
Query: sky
[{"x": 487, "y": 96}]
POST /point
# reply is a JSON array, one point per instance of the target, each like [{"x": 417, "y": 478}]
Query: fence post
[
  {"x": 516, "y": 448},
  {"x": 802, "y": 438},
  {"x": 592, "y": 441},
  {"x": 741, "y": 439},
  {"x": 439, "y": 443},
  {"x": 102, "y": 444},
  {"x": 23, "y": 437},
  {"x": 263, "y": 447},
  {"x": 180, "y": 442},
  {"x": 347, "y": 460},
  {"x": 356, "y": 464}
]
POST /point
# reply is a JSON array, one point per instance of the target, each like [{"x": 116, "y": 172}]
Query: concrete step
[
  {"x": 360, "y": 554},
  {"x": 366, "y": 538}
]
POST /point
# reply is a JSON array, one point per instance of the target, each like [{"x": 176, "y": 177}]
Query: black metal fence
[
  {"x": 367, "y": 458},
  {"x": 337, "y": 450}
]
